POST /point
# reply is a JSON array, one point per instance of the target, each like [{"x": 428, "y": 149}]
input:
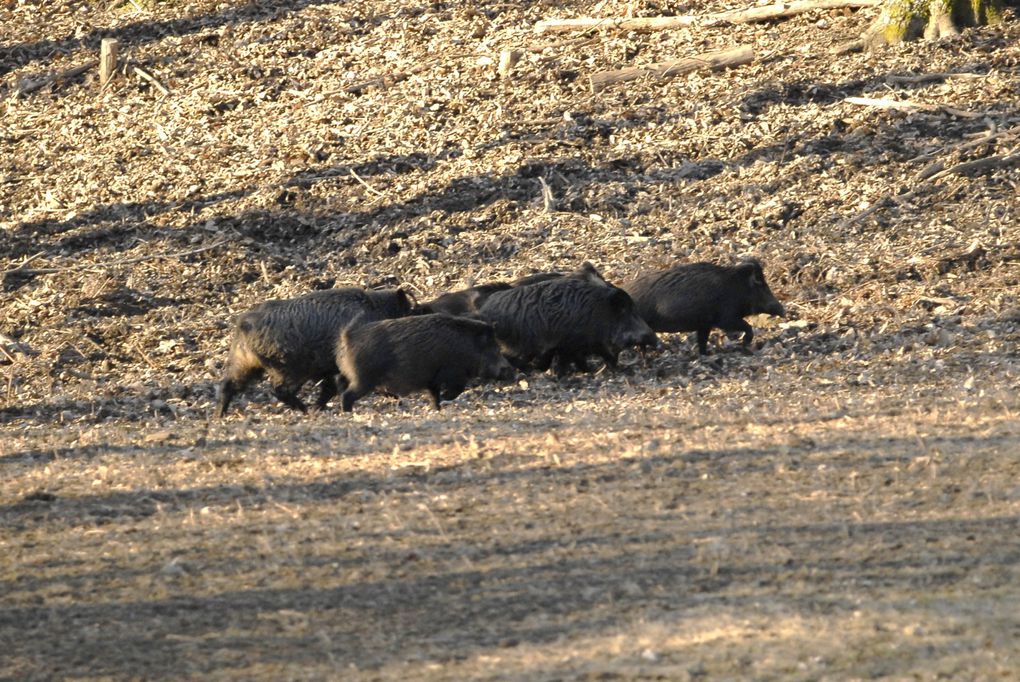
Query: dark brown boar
[
  {"x": 465, "y": 301},
  {"x": 699, "y": 296},
  {"x": 439, "y": 353},
  {"x": 293, "y": 341},
  {"x": 586, "y": 272},
  {"x": 566, "y": 317},
  {"x": 468, "y": 302}
]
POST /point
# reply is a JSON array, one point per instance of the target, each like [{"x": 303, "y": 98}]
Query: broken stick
[
  {"x": 742, "y": 16},
  {"x": 145, "y": 75},
  {"x": 674, "y": 67},
  {"x": 1011, "y": 158},
  {"x": 908, "y": 106},
  {"x": 31, "y": 86},
  {"x": 784, "y": 10}
]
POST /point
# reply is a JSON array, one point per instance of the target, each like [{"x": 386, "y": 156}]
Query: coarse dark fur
[
  {"x": 293, "y": 341},
  {"x": 586, "y": 272},
  {"x": 566, "y": 316},
  {"x": 467, "y": 302},
  {"x": 699, "y": 296},
  {"x": 439, "y": 353}
]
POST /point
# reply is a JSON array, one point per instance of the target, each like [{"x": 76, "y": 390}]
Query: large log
[
  {"x": 674, "y": 67},
  {"x": 742, "y": 16}
]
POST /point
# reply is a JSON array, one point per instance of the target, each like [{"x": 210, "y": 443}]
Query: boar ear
[
  {"x": 473, "y": 298},
  {"x": 407, "y": 298},
  {"x": 592, "y": 274},
  {"x": 619, "y": 298},
  {"x": 485, "y": 332},
  {"x": 752, "y": 270}
]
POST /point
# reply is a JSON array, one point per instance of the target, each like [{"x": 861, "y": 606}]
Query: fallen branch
[
  {"x": 908, "y": 106},
  {"x": 31, "y": 86},
  {"x": 936, "y": 172},
  {"x": 22, "y": 264},
  {"x": 709, "y": 60},
  {"x": 931, "y": 77},
  {"x": 145, "y": 75},
  {"x": 743, "y": 16},
  {"x": 868, "y": 211},
  {"x": 367, "y": 186},
  {"x": 29, "y": 272},
  {"x": 987, "y": 163},
  {"x": 618, "y": 23},
  {"x": 938, "y": 165},
  {"x": 786, "y": 10},
  {"x": 987, "y": 138}
]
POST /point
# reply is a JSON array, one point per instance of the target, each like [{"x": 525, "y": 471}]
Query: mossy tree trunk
[{"x": 908, "y": 19}]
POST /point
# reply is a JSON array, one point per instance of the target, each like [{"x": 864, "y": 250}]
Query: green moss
[
  {"x": 905, "y": 19},
  {"x": 987, "y": 11}
]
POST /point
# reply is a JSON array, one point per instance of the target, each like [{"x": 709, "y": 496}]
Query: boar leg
[
  {"x": 543, "y": 362},
  {"x": 353, "y": 392},
  {"x": 286, "y": 392},
  {"x": 609, "y": 357},
  {"x": 448, "y": 383},
  {"x": 703, "y": 340},
  {"x": 326, "y": 391},
  {"x": 228, "y": 389},
  {"x": 743, "y": 326},
  {"x": 234, "y": 382},
  {"x": 738, "y": 326},
  {"x": 565, "y": 360}
]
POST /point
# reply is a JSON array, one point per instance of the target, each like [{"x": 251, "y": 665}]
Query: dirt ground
[{"x": 843, "y": 503}]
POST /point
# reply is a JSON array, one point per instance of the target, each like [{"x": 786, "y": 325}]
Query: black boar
[
  {"x": 439, "y": 353},
  {"x": 566, "y": 317},
  {"x": 463, "y": 302},
  {"x": 699, "y": 296},
  {"x": 586, "y": 272},
  {"x": 294, "y": 341},
  {"x": 468, "y": 302}
]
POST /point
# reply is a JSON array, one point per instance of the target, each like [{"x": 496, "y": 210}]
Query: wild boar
[
  {"x": 435, "y": 352},
  {"x": 699, "y": 296},
  {"x": 294, "y": 341},
  {"x": 564, "y": 317},
  {"x": 465, "y": 301},
  {"x": 469, "y": 301},
  {"x": 586, "y": 272}
]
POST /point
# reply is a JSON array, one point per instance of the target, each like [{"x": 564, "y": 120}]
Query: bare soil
[{"x": 844, "y": 503}]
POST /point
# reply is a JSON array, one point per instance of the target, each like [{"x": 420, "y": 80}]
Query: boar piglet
[
  {"x": 566, "y": 317},
  {"x": 699, "y": 296},
  {"x": 293, "y": 341},
  {"x": 439, "y": 353}
]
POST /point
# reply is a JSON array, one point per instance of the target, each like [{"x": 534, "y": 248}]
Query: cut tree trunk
[{"x": 902, "y": 20}]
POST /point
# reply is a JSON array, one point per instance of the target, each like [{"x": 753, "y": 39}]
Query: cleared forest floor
[{"x": 842, "y": 503}]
